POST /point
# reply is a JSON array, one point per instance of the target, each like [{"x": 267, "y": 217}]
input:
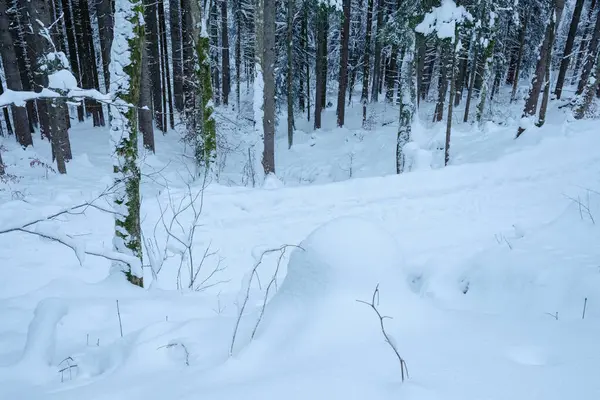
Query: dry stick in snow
[
  {"x": 584, "y": 307},
  {"x": 119, "y": 315},
  {"x": 247, "y": 294},
  {"x": 403, "y": 367}
]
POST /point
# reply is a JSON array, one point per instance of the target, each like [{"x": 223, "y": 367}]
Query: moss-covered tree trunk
[
  {"x": 205, "y": 127},
  {"x": 125, "y": 78}
]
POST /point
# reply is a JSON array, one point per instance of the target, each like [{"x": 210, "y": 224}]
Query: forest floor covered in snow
[{"x": 485, "y": 268}]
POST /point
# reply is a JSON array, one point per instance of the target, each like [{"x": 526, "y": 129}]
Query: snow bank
[{"x": 552, "y": 269}]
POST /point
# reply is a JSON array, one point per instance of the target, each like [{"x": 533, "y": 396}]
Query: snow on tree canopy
[{"x": 443, "y": 19}]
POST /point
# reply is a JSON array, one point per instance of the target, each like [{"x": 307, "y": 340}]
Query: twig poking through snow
[
  {"x": 187, "y": 353},
  {"x": 584, "y": 307},
  {"x": 253, "y": 274},
  {"x": 119, "y": 315},
  {"x": 388, "y": 339}
]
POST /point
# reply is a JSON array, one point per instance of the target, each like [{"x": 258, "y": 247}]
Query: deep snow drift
[{"x": 484, "y": 268}]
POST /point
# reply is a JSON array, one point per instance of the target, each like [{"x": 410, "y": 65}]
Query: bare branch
[{"x": 388, "y": 340}]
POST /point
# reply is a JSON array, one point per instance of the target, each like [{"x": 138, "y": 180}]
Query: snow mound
[
  {"x": 348, "y": 256},
  {"x": 337, "y": 264}
]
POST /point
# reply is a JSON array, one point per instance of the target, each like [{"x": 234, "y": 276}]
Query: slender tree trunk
[
  {"x": 176, "y": 23},
  {"x": 151, "y": 67},
  {"x": 104, "y": 9},
  {"x": 540, "y": 71},
  {"x": 421, "y": 46},
  {"x": 442, "y": 87},
  {"x": 584, "y": 41},
  {"x": 306, "y": 58},
  {"x": 268, "y": 67},
  {"x": 24, "y": 56},
  {"x": 320, "y": 64},
  {"x": 343, "y": 77},
  {"x": 377, "y": 55},
  {"x": 225, "y": 70},
  {"x": 472, "y": 78},
  {"x": 290, "y": 60},
  {"x": 364, "y": 98},
  {"x": 545, "y": 98},
  {"x": 145, "y": 97},
  {"x": 238, "y": 52},
  {"x": 585, "y": 100},
  {"x": 589, "y": 57},
  {"x": 13, "y": 78},
  {"x": 167, "y": 94},
  {"x": 452, "y": 74},
  {"x": 567, "y": 53},
  {"x": 515, "y": 83}
]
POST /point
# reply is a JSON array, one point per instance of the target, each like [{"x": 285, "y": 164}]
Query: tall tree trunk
[
  {"x": 13, "y": 78},
  {"x": 306, "y": 56},
  {"x": 104, "y": 9},
  {"x": 167, "y": 95},
  {"x": 145, "y": 97},
  {"x": 268, "y": 67},
  {"x": 125, "y": 85},
  {"x": 585, "y": 100},
  {"x": 472, "y": 78},
  {"x": 238, "y": 52},
  {"x": 24, "y": 56},
  {"x": 151, "y": 66},
  {"x": 442, "y": 87},
  {"x": 560, "y": 4},
  {"x": 176, "y": 24},
  {"x": 452, "y": 74},
  {"x": 225, "y": 70},
  {"x": 289, "y": 80},
  {"x": 567, "y": 53},
  {"x": 407, "y": 97},
  {"x": 590, "y": 56},
  {"x": 584, "y": 41},
  {"x": 364, "y": 97},
  {"x": 214, "y": 53},
  {"x": 540, "y": 71},
  {"x": 321, "y": 60},
  {"x": 377, "y": 55},
  {"x": 343, "y": 77},
  {"x": 523, "y": 31}
]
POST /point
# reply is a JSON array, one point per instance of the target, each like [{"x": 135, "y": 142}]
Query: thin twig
[{"x": 373, "y": 305}]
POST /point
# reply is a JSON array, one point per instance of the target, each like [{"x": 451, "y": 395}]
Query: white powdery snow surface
[{"x": 483, "y": 267}]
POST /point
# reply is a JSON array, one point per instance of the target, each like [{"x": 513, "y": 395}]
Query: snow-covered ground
[{"x": 485, "y": 267}]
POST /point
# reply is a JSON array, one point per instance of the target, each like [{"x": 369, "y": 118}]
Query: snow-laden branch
[
  {"x": 62, "y": 84},
  {"x": 443, "y": 20}
]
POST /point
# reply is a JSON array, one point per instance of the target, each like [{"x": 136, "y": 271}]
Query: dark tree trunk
[
  {"x": 214, "y": 53},
  {"x": 321, "y": 61},
  {"x": 590, "y": 56},
  {"x": 145, "y": 100},
  {"x": 72, "y": 46},
  {"x": 364, "y": 97},
  {"x": 268, "y": 67},
  {"x": 24, "y": 55},
  {"x": 176, "y": 24},
  {"x": 421, "y": 46},
  {"x": 584, "y": 41},
  {"x": 13, "y": 78},
  {"x": 238, "y": 52},
  {"x": 167, "y": 95},
  {"x": 87, "y": 60},
  {"x": 188, "y": 61},
  {"x": 472, "y": 79},
  {"x": 517, "y": 70},
  {"x": 537, "y": 82},
  {"x": 289, "y": 81},
  {"x": 377, "y": 56},
  {"x": 442, "y": 87},
  {"x": 567, "y": 53},
  {"x": 225, "y": 70},
  {"x": 343, "y": 77},
  {"x": 151, "y": 65},
  {"x": 104, "y": 8}
]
